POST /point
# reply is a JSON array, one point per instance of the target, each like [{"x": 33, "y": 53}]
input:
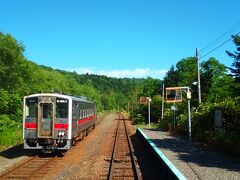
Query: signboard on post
[
  {"x": 174, "y": 94},
  {"x": 143, "y": 100},
  {"x": 218, "y": 118}
]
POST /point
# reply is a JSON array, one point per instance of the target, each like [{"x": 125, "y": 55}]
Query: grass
[
  {"x": 152, "y": 126},
  {"x": 10, "y": 137}
]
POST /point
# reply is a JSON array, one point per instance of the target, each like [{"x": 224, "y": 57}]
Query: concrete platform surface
[{"x": 193, "y": 161}]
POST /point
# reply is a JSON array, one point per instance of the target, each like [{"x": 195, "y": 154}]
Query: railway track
[
  {"x": 122, "y": 162},
  {"x": 36, "y": 167}
]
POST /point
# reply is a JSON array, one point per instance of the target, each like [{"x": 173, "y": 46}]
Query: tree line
[
  {"x": 20, "y": 77},
  {"x": 220, "y": 89}
]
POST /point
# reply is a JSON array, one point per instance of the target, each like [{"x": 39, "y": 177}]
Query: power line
[
  {"x": 218, "y": 46},
  {"x": 227, "y": 33}
]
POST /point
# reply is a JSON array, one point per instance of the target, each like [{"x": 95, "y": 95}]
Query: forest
[{"x": 220, "y": 87}]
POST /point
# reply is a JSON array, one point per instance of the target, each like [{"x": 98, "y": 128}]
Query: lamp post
[
  {"x": 189, "y": 96},
  {"x": 149, "y": 100}
]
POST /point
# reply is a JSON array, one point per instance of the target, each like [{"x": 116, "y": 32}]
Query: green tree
[
  {"x": 14, "y": 70},
  {"x": 215, "y": 83},
  {"x": 235, "y": 69},
  {"x": 185, "y": 74},
  {"x": 187, "y": 71},
  {"x": 172, "y": 78}
]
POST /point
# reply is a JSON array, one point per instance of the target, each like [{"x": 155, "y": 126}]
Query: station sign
[
  {"x": 174, "y": 108},
  {"x": 143, "y": 100},
  {"x": 173, "y": 94}
]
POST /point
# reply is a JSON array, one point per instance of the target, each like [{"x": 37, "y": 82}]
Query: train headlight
[{"x": 61, "y": 133}]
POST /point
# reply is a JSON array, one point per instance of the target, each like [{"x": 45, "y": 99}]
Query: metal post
[
  {"x": 199, "y": 85},
  {"x": 149, "y": 100},
  {"x": 163, "y": 101},
  {"x": 189, "y": 120},
  {"x": 174, "y": 122},
  {"x": 189, "y": 114}
]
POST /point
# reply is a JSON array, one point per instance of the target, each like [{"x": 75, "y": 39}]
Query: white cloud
[{"x": 121, "y": 73}]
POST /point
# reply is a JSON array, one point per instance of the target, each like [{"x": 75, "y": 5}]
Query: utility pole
[{"x": 199, "y": 85}]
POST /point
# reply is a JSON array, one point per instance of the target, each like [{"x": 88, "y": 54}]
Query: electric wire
[
  {"x": 225, "y": 34},
  {"x": 218, "y": 46}
]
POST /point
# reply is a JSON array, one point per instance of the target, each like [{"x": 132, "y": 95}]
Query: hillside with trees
[
  {"x": 220, "y": 90},
  {"x": 20, "y": 76}
]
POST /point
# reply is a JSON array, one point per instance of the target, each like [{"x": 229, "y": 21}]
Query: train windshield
[
  {"x": 62, "y": 108},
  {"x": 31, "y": 108}
]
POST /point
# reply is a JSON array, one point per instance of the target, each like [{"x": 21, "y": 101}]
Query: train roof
[{"x": 76, "y": 98}]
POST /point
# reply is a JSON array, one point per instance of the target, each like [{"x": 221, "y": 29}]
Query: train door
[
  {"x": 75, "y": 116},
  {"x": 45, "y": 119}
]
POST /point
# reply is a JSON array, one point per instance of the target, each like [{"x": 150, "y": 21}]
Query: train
[{"x": 54, "y": 121}]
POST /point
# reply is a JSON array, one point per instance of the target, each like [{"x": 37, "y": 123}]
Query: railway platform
[{"x": 189, "y": 161}]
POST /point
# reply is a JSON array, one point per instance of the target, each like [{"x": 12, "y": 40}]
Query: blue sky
[{"x": 120, "y": 38}]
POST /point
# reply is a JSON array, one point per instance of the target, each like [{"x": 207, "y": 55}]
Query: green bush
[
  {"x": 167, "y": 122},
  {"x": 227, "y": 141},
  {"x": 10, "y": 131},
  {"x": 203, "y": 116},
  {"x": 203, "y": 125},
  {"x": 10, "y": 137},
  {"x": 137, "y": 119},
  {"x": 6, "y": 123},
  {"x": 182, "y": 123}
]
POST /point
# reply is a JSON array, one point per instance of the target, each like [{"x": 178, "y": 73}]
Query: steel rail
[
  {"x": 134, "y": 165},
  {"x": 6, "y": 173},
  {"x": 129, "y": 146},
  {"x": 110, "y": 172},
  {"x": 29, "y": 169}
]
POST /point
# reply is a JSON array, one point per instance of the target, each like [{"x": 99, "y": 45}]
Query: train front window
[
  {"x": 62, "y": 108},
  {"x": 31, "y": 108},
  {"x": 47, "y": 111}
]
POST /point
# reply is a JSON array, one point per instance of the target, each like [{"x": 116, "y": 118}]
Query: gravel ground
[
  {"x": 194, "y": 161},
  {"x": 76, "y": 156},
  {"x": 89, "y": 158},
  {"x": 13, "y": 156}
]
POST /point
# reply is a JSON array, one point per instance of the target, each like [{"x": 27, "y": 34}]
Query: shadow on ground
[
  {"x": 194, "y": 153},
  {"x": 17, "y": 151}
]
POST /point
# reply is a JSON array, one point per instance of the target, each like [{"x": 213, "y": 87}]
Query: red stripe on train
[
  {"x": 84, "y": 120},
  {"x": 61, "y": 126},
  {"x": 30, "y": 125}
]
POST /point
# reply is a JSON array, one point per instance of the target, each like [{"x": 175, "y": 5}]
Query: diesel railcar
[{"x": 55, "y": 121}]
